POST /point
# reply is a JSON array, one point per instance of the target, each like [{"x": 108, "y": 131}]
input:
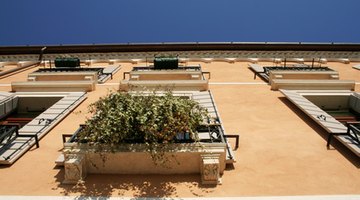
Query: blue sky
[{"x": 38, "y": 22}]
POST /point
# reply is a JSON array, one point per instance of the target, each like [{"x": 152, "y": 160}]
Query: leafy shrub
[{"x": 142, "y": 118}]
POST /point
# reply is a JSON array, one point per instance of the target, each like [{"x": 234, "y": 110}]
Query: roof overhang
[{"x": 192, "y": 46}]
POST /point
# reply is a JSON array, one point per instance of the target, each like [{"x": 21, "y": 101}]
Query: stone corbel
[
  {"x": 75, "y": 168},
  {"x": 210, "y": 169}
]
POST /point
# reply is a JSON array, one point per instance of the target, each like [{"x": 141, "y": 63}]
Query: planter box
[{"x": 208, "y": 159}]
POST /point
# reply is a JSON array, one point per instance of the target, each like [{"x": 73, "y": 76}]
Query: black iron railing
[
  {"x": 353, "y": 132},
  {"x": 9, "y": 132},
  {"x": 35, "y": 135},
  {"x": 180, "y": 138},
  {"x": 312, "y": 69},
  {"x": 221, "y": 129}
]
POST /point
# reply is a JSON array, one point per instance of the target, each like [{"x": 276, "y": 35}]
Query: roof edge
[{"x": 185, "y": 46}]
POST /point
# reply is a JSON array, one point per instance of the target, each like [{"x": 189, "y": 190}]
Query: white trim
[{"x": 5, "y": 84}]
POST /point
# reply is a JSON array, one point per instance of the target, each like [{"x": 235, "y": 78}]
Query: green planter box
[
  {"x": 67, "y": 62},
  {"x": 166, "y": 63}
]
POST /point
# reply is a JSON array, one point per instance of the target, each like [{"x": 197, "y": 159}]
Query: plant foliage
[{"x": 151, "y": 119}]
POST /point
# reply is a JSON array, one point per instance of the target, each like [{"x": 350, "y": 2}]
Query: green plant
[{"x": 151, "y": 119}]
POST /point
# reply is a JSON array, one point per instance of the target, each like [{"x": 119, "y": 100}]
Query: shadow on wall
[
  {"x": 335, "y": 144},
  {"x": 140, "y": 186}
]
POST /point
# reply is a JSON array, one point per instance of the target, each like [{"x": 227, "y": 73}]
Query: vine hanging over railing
[{"x": 152, "y": 119}]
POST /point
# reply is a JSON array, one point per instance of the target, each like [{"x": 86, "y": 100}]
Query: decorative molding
[
  {"x": 205, "y": 56},
  {"x": 74, "y": 168},
  {"x": 210, "y": 169}
]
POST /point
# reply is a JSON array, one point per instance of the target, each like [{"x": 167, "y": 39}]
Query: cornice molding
[{"x": 164, "y": 47}]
